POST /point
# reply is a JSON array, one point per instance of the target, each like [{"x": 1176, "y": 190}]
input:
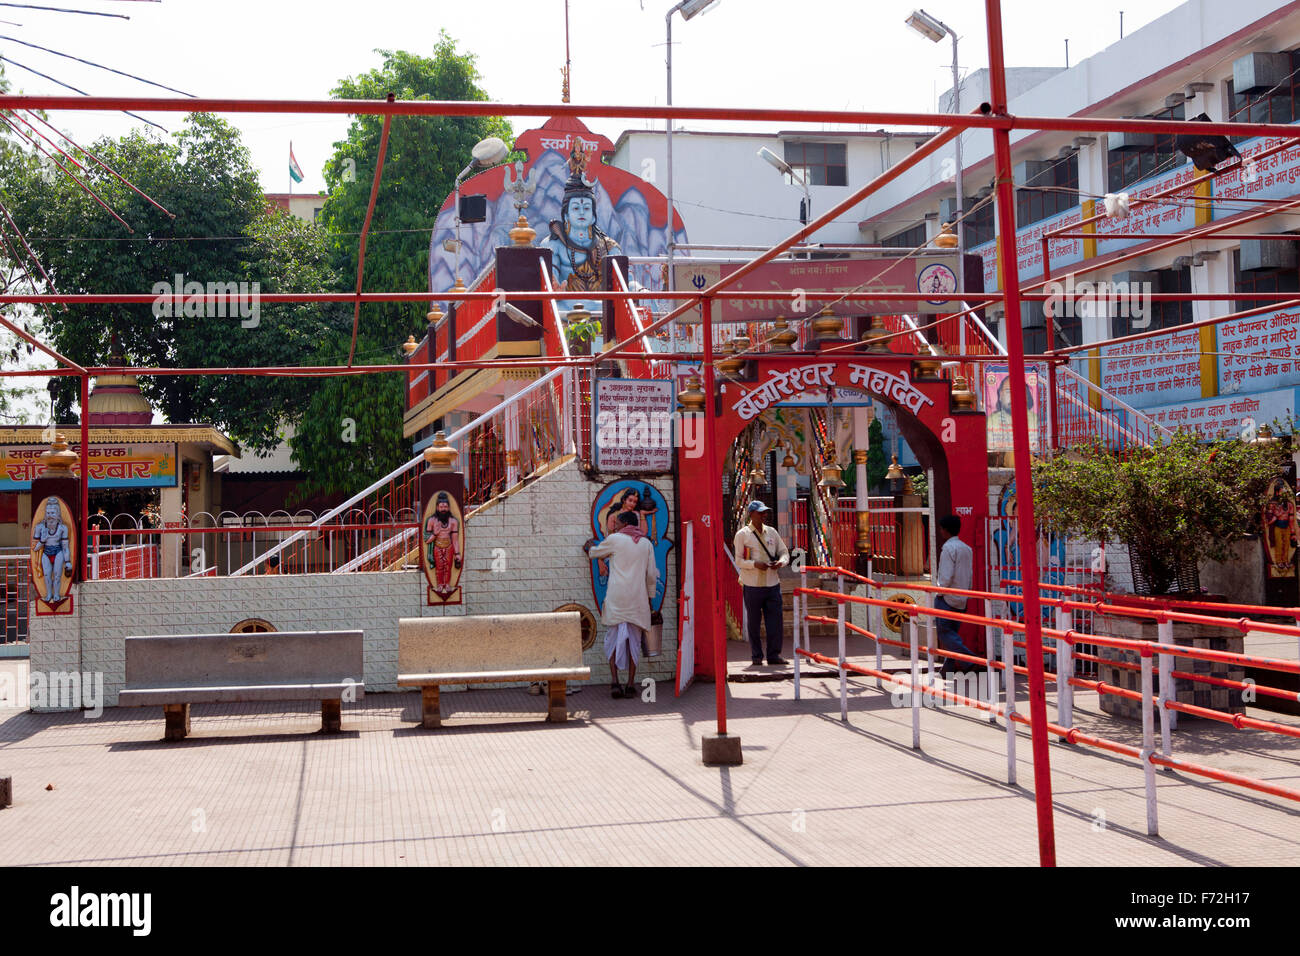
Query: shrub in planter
[{"x": 1173, "y": 504}]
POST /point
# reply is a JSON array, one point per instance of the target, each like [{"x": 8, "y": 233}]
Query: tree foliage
[
  {"x": 221, "y": 233},
  {"x": 877, "y": 465},
  {"x": 423, "y": 157},
  {"x": 1179, "y": 502}
]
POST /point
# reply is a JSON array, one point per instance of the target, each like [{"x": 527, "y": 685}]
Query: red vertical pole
[
  {"x": 714, "y": 514},
  {"x": 1054, "y": 407},
  {"x": 1026, "y": 531},
  {"x": 84, "y": 559}
]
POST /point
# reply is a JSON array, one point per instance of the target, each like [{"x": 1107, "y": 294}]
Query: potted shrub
[
  {"x": 1173, "y": 504},
  {"x": 581, "y": 329}
]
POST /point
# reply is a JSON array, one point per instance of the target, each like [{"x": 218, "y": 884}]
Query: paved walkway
[{"x": 620, "y": 783}]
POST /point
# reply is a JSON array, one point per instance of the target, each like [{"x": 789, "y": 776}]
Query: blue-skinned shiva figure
[{"x": 578, "y": 247}]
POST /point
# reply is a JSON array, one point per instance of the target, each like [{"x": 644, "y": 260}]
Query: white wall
[
  {"x": 726, "y": 194},
  {"x": 540, "y": 529}
]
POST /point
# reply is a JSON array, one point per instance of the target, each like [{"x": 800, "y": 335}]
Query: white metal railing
[
  {"x": 455, "y": 439},
  {"x": 916, "y": 334},
  {"x": 379, "y": 551}
]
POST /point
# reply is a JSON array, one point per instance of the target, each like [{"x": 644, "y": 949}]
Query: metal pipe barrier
[{"x": 1152, "y": 655}]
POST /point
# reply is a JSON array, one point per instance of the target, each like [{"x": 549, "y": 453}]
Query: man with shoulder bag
[{"x": 760, "y": 554}]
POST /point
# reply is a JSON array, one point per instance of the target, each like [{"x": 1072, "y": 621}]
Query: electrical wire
[
  {"x": 88, "y": 13},
  {"x": 69, "y": 86},
  {"x": 100, "y": 66}
]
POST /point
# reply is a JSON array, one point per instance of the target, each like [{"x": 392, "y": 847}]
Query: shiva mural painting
[
  {"x": 632, "y": 212},
  {"x": 53, "y": 561},
  {"x": 647, "y": 503},
  {"x": 578, "y": 247}
]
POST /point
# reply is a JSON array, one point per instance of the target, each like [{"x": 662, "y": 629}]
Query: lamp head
[
  {"x": 927, "y": 26},
  {"x": 691, "y": 8},
  {"x": 490, "y": 151},
  {"x": 775, "y": 161}
]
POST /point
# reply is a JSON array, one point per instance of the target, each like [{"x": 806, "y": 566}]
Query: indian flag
[{"x": 295, "y": 171}]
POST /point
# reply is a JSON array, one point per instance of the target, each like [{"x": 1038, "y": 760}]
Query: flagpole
[{"x": 290, "y": 167}]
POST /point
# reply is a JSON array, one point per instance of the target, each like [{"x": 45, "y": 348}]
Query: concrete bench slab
[
  {"x": 490, "y": 649},
  {"x": 179, "y": 670}
]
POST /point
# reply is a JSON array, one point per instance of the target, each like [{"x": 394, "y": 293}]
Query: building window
[
  {"x": 1052, "y": 190},
  {"x": 1278, "y": 105},
  {"x": 908, "y": 239},
  {"x": 1126, "y": 166},
  {"x": 820, "y": 164},
  {"x": 979, "y": 225},
  {"x": 1261, "y": 280},
  {"x": 1164, "y": 314}
]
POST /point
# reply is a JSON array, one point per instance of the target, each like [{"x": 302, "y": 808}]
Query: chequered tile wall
[{"x": 533, "y": 538}]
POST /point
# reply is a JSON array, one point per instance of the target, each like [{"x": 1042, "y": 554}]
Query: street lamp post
[
  {"x": 688, "y": 9},
  {"x": 486, "y": 152},
  {"x": 934, "y": 29},
  {"x": 775, "y": 161}
]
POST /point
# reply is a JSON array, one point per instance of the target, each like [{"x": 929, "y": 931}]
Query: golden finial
[
  {"x": 947, "y": 239},
  {"x": 827, "y": 325},
  {"x": 782, "y": 338},
  {"x": 690, "y": 400},
  {"x": 58, "y": 459},
  {"x": 876, "y": 336},
  {"x": 440, "y": 455},
  {"x": 409, "y": 345},
  {"x": 963, "y": 399},
  {"x": 522, "y": 234}
]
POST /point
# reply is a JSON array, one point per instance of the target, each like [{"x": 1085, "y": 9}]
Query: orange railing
[{"x": 1154, "y": 702}]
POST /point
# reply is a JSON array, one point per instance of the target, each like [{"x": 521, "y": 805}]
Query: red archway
[{"x": 949, "y": 439}]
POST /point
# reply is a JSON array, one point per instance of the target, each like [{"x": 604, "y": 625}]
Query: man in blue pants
[{"x": 760, "y": 552}]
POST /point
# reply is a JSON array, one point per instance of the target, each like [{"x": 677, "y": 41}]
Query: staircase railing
[
  {"x": 1117, "y": 424},
  {"x": 527, "y": 424}
]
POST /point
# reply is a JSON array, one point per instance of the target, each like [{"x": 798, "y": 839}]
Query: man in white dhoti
[{"x": 626, "y": 611}]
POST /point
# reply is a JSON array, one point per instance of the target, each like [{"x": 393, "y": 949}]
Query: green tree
[
  {"x": 221, "y": 233},
  {"x": 20, "y": 398},
  {"x": 1174, "y": 504},
  {"x": 876, "y": 463},
  {"x": 424, "y": 155}
]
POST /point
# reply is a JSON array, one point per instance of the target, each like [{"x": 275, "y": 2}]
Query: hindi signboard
[
  {"x": 634, "y": 425},
  {"x": 1228, "y": 416},
  {"x": 111, "y": 466},
  {"x": 771, "y": 285},
  {"x": 1259, "y": 352}
]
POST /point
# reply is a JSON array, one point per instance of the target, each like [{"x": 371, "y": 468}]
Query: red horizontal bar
[
  {"x": 1225, "y": 776},
  {"x": 273, "y": 298},
  {"x": 972, "y": 120},
  {"x": 252, "y": 529},
  {"x": 1169, "y": 602},
  {"x": 1102, "y": 237}
]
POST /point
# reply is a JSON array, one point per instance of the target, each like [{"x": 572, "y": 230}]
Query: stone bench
[
  {"x": 490, "y": 649},
  {"x": 176, "y": 671}
]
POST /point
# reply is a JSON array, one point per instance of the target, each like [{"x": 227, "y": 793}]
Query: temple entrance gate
[{"x": 942, "y": 425}]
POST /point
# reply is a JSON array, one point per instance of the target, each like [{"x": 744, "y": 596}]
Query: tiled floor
[{"x": 620, "y": 783}]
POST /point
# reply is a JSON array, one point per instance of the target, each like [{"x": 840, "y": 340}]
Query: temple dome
[{"x": 116, "y": 400}]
